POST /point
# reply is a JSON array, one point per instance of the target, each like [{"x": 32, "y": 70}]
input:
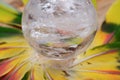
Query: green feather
[{"x": 7, "y": 32}]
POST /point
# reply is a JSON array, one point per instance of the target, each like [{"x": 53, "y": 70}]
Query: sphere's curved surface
[{"x": 59, "y": 29}]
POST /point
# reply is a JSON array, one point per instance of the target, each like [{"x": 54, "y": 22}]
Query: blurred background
[{"x": 102, "y": 7}]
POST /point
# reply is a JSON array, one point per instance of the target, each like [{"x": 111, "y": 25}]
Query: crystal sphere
[{"x": 59, "y": 29}]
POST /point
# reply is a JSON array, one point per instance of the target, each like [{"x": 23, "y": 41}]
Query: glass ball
[{"x": 59, "y": 29}]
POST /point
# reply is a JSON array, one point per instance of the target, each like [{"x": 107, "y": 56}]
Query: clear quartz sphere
[{"x": 59, "y": 29}]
